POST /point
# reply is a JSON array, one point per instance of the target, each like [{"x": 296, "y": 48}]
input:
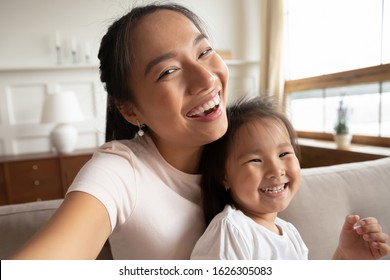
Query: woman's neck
[{"x": 183, "y": 158}]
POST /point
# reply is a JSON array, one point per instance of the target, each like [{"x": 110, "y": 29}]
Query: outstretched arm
[
  {"x": 77, "y": 230},
  {"x": 367, "y": 241}
]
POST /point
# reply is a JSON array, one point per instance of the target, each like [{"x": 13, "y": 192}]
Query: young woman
[
  {"x": 167, "y": 92},
  {"x": 252, "y": 174}
]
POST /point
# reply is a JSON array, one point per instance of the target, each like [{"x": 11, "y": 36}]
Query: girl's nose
[{"x": 275, "y": 172}]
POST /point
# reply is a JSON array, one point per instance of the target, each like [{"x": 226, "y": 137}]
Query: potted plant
[{"x": 342, "y": 136}]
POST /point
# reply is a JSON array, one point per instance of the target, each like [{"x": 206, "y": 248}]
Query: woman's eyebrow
[
  {"x": 199, "y": 38},
  {"x": 158, "y": 60},
  {"x": 169, "y": 55}
]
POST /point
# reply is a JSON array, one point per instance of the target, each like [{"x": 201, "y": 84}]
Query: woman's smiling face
[{"x": 179, "y": 83}]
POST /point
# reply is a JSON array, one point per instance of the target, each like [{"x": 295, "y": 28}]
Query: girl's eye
[
  {"x": 205, "y": 52},
  {"x": 284, "y": 154},
  {"x": 166, "y": 73},
  {"x": 255, "y": 160}
]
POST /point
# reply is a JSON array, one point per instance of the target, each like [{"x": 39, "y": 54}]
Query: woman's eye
[
  {"x": 205, "y": 52},
  {"x": 255, "y": 160},
  {"x": 166, "y": 73}
]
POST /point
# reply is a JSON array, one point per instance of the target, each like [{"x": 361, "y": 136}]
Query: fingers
[
  {"x": 376, "y": 237},
  {"x": 368, "y": 221},
  {"x": 350, "y": 220},
  {"x": 368, "y": 226},
  {"x": 371, "y": 232},
  {"x": 380, "y": 249}
]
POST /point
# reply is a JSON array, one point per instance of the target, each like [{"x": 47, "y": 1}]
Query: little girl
[{"x": 251, "y": 174}]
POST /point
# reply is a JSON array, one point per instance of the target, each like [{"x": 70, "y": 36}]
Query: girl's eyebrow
[
  {"x": 285, "y": 145},
  {"x": 260, "y": 151},
  {"x": 169, "y": 55}
]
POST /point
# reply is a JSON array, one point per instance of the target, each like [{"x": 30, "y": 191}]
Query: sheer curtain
[{"x": 271, "y": 74}]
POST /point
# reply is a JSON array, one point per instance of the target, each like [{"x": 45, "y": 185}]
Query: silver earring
[{"x": 140, "y": 131}]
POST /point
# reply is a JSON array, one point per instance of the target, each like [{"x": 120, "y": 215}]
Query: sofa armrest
[{"x": 19, "y": 222}]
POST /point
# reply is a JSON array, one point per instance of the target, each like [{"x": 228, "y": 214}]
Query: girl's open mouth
[{"x": 276, "y": 189}]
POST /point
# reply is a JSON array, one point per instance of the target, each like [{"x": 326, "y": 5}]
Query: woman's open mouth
[{"x": 206, "y": 108}]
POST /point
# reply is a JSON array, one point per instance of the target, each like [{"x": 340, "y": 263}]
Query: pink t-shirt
[{"x": 154, "y": 208}]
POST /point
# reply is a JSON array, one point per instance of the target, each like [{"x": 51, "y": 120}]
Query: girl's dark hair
[
  {"x": 116, "y": 59},
  {"x": 214, "y": 195}
]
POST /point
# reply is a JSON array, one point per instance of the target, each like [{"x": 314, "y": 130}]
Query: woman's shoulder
[
  {"x": 127, "y": 149},
  {"x": 114, "y": 159},
  {"x": 126, "y": 146}
]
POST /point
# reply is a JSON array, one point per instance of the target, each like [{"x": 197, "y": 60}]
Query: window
[
  {"x": 367, "y": 103},
  {"x": 338, "y": 50}
]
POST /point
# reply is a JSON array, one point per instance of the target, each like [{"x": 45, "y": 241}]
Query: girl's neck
[
  {"x": 266, "y": 220},
  {"x": 270, "y": 225}
]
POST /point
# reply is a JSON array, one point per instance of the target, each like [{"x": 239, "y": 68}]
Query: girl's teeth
[{"x": 273, "y": 190}]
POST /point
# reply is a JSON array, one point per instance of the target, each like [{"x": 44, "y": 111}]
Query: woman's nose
[{"x": 201, "y": 78}]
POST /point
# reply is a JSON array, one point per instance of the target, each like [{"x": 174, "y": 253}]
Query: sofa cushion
[
  {"x": 18, "y": 222},
  {"x": 328, "y": 194}
]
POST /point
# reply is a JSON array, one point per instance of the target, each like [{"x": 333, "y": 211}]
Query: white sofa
[
  {"x": 18, "y": 222},
  {"x": 326, "y": 196}
]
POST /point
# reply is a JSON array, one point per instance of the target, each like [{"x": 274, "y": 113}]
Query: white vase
[
  {"x": 343, "y": 141},
  {"x": 64, "y": 138}
]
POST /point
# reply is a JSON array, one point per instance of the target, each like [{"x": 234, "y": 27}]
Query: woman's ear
[{"x": 127, "y": 111}]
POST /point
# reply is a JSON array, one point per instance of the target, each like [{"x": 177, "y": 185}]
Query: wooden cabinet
[
  {"x": 3, "y": 193},
  {"x": 70, "y": 166},
  {"x": 315, "y": 153},
  {"x": 33, "y": 180},
  {"x": 40, "y": 177}
]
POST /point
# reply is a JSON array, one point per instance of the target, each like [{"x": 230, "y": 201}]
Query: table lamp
[{"x": 62, "y": 108}]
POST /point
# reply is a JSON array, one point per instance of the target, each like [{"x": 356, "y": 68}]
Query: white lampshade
[{"x": 62, "y": 108}]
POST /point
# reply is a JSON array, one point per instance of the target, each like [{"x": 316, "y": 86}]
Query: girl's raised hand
[{"x": 362, "y": 239}]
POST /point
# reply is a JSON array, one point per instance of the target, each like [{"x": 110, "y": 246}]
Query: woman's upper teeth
[
  {"x": 204, "y": 107},
  {"x": 273, "y": 189}
]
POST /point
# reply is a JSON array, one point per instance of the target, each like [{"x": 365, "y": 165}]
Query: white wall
[
  {"x": 29, "y": 69},
  {"x": 27, "y": 27}
]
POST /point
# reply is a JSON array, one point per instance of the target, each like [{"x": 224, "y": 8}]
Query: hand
[{"x": 365, "y": 242}]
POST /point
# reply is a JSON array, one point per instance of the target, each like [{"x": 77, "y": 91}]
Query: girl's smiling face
[
  {"x": 179, "y": 84},
  {"x": 263, "y": 172}
]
